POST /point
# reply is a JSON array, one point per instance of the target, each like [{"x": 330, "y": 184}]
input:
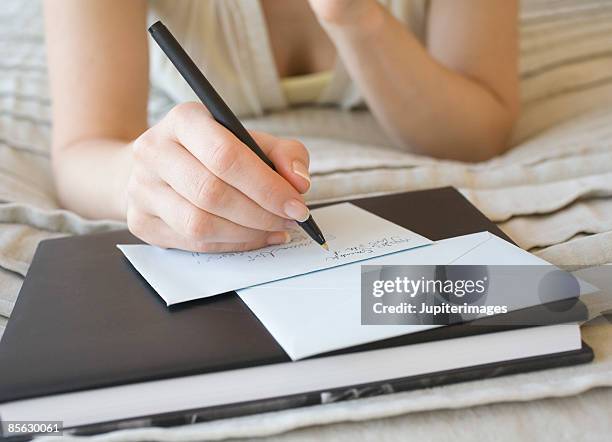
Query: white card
[{"x": 353, "y": 234}]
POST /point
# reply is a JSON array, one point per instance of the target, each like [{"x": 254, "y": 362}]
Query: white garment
[{"x": 228, "y": 40}]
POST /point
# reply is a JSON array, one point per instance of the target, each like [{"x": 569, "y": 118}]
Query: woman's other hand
[
  {"x": 195, "y": 186},
  {"x": 340, "y": 12}
]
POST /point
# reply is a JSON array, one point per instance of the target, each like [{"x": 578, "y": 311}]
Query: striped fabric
[
  {"x": 551, "y": 192},
  {"x": 566, "y": 61},
  {"x": 563, "y": 155}
]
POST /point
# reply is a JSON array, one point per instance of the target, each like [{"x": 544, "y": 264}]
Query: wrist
[
  {"x": 123, "y": 168},
  {"x": 363, "y": 18}
]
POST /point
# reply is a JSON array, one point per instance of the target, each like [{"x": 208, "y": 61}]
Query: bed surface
[{"x": 552, "y": 193}]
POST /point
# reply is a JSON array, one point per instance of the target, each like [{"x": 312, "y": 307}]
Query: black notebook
[{"x": 88, "y": 332}]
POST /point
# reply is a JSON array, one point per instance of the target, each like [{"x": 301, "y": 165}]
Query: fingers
[
  {"x": 190, "y": 221},
  {"x": 190, "y": 179},
  {"x": 290, "y": 157},
  {"x": 154, "y": 231},
  {"x": 234, "y": 163},
  {"x": 196, "y": 187}
]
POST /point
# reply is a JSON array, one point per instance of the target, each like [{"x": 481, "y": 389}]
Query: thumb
[{"x": 290, "y": 158}]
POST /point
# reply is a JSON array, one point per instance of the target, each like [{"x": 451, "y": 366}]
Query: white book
[{"x": 309, "y": 376}]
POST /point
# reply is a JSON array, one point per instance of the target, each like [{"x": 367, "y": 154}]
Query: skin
[{"x": 188, "y": 183}]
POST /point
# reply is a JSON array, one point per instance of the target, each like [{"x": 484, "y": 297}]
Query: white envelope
[{"x": 321, "y": 311}]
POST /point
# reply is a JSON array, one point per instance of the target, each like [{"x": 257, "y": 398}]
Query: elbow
[
  {"x": 489, "y": 143},
  {"x": 497, "y": 136},
  {"x": 487, "y": 137},
  {"x": 493, "y": 136}
]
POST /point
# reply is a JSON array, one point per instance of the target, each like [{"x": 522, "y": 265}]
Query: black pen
[{"x": 217, "y": 107}]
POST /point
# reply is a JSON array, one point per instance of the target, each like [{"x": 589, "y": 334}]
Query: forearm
[
  {"x": 97, "y": 56},
  {"x": 422, "y": 104},
  {"x": 91, "y": 177}
]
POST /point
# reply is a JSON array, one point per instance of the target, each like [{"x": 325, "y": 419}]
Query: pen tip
[{"x": 325, "y": 246}]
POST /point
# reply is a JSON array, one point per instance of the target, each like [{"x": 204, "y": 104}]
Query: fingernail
[
  {"x": 279, "y": 238},
  {"x": 300, "y": 169},
  {"x": 296, "y": 210}
]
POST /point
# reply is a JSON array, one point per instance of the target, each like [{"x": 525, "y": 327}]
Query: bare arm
[
  {"x": 98, "y": 66},
  {"x": 184, "y": 183},
  {"x": 456, "y": 98}
]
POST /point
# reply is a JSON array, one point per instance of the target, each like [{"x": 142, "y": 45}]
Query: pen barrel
[
  {"x": 203, "y": 89},
  {"x": 311, "y": 228}
]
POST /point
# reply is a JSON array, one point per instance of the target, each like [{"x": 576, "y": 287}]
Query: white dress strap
[{"x": 251, "y": 52}]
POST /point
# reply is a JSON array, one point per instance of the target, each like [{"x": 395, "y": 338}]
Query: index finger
[{"x": 234, "y": 163}]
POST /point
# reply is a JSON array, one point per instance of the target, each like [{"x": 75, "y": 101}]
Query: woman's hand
[
  {"x": 340, "y": 12},
  {"x": 196, "y": 187}
]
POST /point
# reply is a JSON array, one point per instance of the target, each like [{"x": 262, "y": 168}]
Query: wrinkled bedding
[{"x": 552, "y": 193}]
